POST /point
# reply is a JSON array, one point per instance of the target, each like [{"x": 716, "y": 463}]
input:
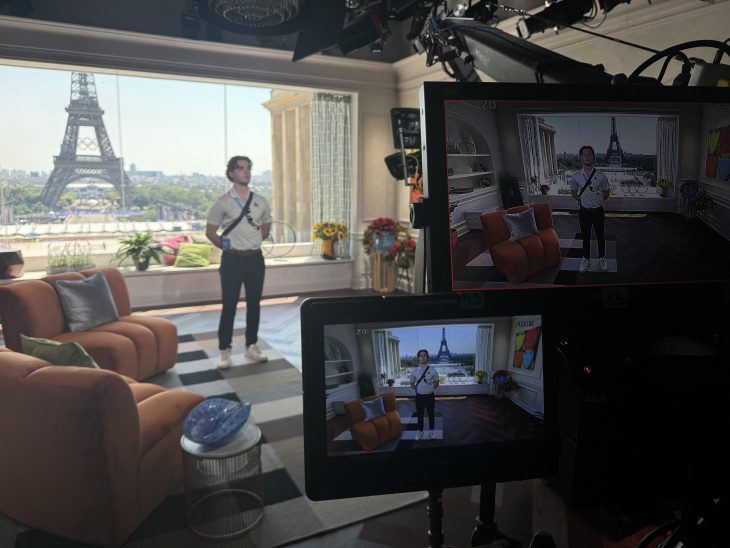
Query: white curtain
[
  {"x": 666, "y": 149},
  {"x": 332, "y": 164},
  {"x": 485, "y": 346},
  {"x": 529, "y": 138}
]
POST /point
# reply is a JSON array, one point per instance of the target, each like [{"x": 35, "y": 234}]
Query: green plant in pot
[
  {"x": 509, "y": 190},
  {"x": 141, "y": 247}
]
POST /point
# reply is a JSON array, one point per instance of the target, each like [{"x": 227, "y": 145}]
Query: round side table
[{"x": 223, "y": 485}]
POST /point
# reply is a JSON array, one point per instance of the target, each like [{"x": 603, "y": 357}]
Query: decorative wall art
[
  {"x": 526, "y": 331},
  {"x": 717, "y": 165}
]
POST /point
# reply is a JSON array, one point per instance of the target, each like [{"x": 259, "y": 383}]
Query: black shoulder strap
[
  {"x": 588, "y": 181},
  {"x": 423, "y": 375},
  {"x": 244, "y": 210}
]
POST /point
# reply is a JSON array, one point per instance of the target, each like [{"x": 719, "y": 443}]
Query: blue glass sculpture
[{"x": 215, "y": 421}]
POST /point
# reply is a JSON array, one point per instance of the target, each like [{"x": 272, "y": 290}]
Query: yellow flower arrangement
[
  {"x": 329, "y": 231},
  {"x": 664, "y": 184}
]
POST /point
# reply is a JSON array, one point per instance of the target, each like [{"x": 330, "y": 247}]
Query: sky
[
  {"x": 636, "y": 134},
  {"x": 461, "y": 339},
  {"x": 173, "y": 126}
]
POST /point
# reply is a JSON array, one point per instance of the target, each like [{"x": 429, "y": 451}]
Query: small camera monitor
[{"x": 422, "y": 392}]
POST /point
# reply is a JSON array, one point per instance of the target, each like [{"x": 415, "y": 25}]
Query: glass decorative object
[{"x": 215, "y": 421}]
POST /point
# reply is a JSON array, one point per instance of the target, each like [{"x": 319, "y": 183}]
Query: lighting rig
[{"x": 464, "y": 39}]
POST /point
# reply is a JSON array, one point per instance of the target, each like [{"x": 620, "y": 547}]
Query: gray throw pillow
[
  {"x": 521, "y": 224},
  {"x": 373, "y": 408},
  {"x": 86, "y": 303}
]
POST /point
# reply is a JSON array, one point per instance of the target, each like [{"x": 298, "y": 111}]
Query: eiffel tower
[
  {"x": 444, "y": 356},
  {"x": 69, "y": 165},
  {"x": 614, "y": 156}
]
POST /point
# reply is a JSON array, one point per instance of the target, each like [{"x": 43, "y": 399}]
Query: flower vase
[
  {"x": 384, "y": 242},
  {"x": 499, "y": 390},
  {"x": 384, "y": 273},
  {"x": 328, "y": 251},
  {"x": 663, "y": 193}
]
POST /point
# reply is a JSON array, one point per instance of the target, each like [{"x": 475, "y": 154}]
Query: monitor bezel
[
  {"x": 439, "y": 268},
  {"x": 328, "y": 477}
]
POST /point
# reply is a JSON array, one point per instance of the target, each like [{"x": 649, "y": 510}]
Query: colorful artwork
[
  {"x": 717, "y": 164},
  {"x": 526, "y": 332}
]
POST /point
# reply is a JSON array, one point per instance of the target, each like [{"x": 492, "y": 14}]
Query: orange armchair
[
  {"x": 87, "y": 454},
  {"x": 137, "y": 346},
  {"x": 520, "y": 259},
  {"x": 370, "y": 434}
]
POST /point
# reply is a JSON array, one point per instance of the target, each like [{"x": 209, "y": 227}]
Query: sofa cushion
[
  {"x": 192, "y": 255},
  {"x": 86, "y": 303},
  {"x": 521, "y": 224},
  {"x": 373, "y": 408},
  {"x": 69, "y": 353}
]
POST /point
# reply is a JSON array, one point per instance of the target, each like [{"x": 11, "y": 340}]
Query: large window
[
  {"x": 633, "y": 151},
  {"x": 97, "y": 155}
]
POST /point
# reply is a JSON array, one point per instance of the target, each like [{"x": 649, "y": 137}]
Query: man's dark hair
[
  {"x": 233, "y": 162},
  {"x": 423, "y": 350},
  {"x": 589, "y": 147}
]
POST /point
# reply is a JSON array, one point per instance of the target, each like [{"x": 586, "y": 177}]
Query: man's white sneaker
[
  {"x": 225, "y": 360},
  {"x": 604, "y": 265},
  {"x": 433, "y": 434},
  {"x": 584, "y": 264},
  {"x": 253, "y": 353},
  {"x": 419, "y": 435}
]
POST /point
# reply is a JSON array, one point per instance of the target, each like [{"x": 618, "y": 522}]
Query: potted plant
[
  {"x": 509, "y": 190},
  {"x": 329, "y": 232},
  {"x": 503, "y": 383},
  {"x": 480, "y": 376},
  {"x": 70, "y": 258},
  {"x": 141, "y": 247},
  {"x": 664, "y": 185},
  {"x": 391, "y": 382},
  {"x": 405, "y": 252}
]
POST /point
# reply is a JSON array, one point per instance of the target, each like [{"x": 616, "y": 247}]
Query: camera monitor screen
[
  {"x": 564, "y": 186},
  {"x": 409, "y": 393}
]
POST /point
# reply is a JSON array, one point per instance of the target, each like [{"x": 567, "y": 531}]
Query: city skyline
[
  {"x": 174, "y": 126},
  {"x": 461, "y": 339},
  {"x": 637, "y": 134}
]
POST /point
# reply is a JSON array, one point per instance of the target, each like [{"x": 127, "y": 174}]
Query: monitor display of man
[
  {"x": 245, "y": 218},
  {"x": 590, "y": 188},
  {"x": 425, "y": 380}
]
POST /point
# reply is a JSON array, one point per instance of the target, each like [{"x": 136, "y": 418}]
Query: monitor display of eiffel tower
[
  {"x": 614, "y": 155},
  {"x": 444, "y": 355},
  {"x": 79, "y": 158}
]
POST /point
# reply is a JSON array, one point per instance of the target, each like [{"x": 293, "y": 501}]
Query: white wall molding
[{"x": 117, "y": 51}]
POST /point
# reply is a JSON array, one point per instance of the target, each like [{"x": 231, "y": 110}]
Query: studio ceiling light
[{"x": 269, "y": 17}]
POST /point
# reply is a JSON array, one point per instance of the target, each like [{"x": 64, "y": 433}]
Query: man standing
[
  {"x": 424, "y": 380},
  {"x": 590, "y": 188},
  {"x": 246, "y": 220}
]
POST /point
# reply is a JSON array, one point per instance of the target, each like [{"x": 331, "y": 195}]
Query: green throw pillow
[
  {"x": 189, "y": 255},
  {"x": 70, "y": 353}
]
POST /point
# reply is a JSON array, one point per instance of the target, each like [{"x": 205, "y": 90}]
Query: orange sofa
[
  {"x": 520, "y": 259},
  {"x": 371, "y": 434},
  {"x": 137, "y": 346},
  {"x": 87, "y": 454}
]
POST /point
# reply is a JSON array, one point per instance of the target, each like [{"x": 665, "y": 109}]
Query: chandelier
[{"x": 252, "y": 16}]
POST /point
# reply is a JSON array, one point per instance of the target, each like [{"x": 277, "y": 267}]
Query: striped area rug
[{"x": 275, "y": 390}]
